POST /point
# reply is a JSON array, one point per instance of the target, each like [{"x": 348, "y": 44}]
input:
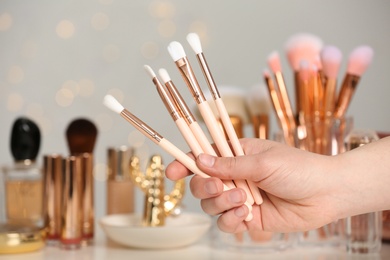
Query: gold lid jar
[{"x": 14, "y": 240}]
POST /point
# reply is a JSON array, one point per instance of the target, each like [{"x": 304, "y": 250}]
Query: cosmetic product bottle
[
  {"x": 23, "y": 181},
  {"x": 363, "y": 232},
  {"x": 81, "y": 135},
  {"x": 52, "y": 172},
  {"x": 71, "y": 224},
  {"x": 120, "y": 188}
]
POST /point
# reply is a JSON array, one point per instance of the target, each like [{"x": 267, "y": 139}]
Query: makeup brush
[
  {"x": 277, "y": 105},
  {"x": 158, "y": 139},
  {"x": 302, "y": 46},
  {"x": 178, "y": 55},
  {"x": 359, "y": 59},
  {"x": 175, "y": 113},
  {"x": 81, "y": 136},
  {"x": 331, "y": 57},
  {"x": 187, "y": 114},
  {"x": 259, "y": 107},
  {"x": 276, "y": 67}
]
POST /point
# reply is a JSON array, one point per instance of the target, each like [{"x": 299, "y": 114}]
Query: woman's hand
[{"x": 297, "y": 187}]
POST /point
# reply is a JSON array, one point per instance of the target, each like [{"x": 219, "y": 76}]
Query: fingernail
[
  {"x": 206, "y": 160},
  {"x": 211, "y": 188},
  {"x": 235, "y": 196},
  {"x": 240, "y": 212}
]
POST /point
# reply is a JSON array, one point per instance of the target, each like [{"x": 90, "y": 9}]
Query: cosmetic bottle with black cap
[{"x": 23, "y": 182}]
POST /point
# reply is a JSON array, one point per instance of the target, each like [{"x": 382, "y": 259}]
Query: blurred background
[{"x": 59, "y": 58}]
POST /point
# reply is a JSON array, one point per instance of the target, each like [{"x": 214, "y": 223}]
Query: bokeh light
[
  {"x": 14, "y": 102},
  {"x": 162, "y": 9},
  {"x": 150, "y": 50},
  {"x": 65, "y": 29},
  {"x": 87, "y": 87},
  {"x": 64, "y": 97},
  {"x": 100, "y": 21},
  {"x": 5, "y": 21},
  {"x": 15, "y": 75}
]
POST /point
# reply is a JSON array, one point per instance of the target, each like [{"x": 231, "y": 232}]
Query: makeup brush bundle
[
  {"x": 186, "y": 122},
  {"x": 320, "y": 106}
]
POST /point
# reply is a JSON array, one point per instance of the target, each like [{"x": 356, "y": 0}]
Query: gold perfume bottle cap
[
  {"x": 118, "y": 162},
  {"x": 14, "y": 240}
]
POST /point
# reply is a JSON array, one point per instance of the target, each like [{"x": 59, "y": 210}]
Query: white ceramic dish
[{"x": 178, "y": 231}]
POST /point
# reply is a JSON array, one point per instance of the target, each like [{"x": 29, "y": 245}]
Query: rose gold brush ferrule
[
  {"x": 298, "y": 95},
  {"x": 167, "y": 100},
  {"x": 285, "y": 100},
  {"x": 71, "y": 234},
  {"x": 209, "y": 78},
  {"x": 329, "y": 97},
  {"x": 347, "y": 90},
  {"x": 180, "y": 103},
  {"x": 52, "y": 170},
  {"x": 141, "y": 126},
  {"x": 277, "y": 104},
  {"x": 189, "y": 77},
  {"x": 88, "y": 218}
]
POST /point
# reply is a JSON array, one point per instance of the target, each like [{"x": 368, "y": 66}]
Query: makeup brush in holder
[
  {"x": 157, "y": 204},
  {"x": 319, "y": 123},
  {"x": 81, "y": 137}
]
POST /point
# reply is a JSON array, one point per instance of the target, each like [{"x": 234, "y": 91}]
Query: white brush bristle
[
  {"x": 176, "y": 50},
  {"x": 331, "y": 57},
  {"x": 150, "y": 72},
  {"x": 274, "y": 62},
  {"x": 359, "y": 59},
  {"x": 113, "y": 104},
  {"x": 164, "y": 75},
  {"x": 303, "y": 46},
  {"x": 194, "y": 41}
]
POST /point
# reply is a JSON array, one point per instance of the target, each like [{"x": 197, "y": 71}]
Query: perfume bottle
[{"x": 23, "y": 181}]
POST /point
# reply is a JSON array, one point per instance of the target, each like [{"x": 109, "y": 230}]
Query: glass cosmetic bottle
[
  {"x": 120, "y": 188},
  {"x": 23, "y": 182}
]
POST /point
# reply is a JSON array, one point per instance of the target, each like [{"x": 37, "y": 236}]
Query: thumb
[{"x": 229, "y": 168}]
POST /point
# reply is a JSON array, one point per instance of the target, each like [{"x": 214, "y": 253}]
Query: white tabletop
[{"x": 104, "y": 249}]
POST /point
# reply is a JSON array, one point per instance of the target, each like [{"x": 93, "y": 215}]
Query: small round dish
[{"x": 178, "y": 231}]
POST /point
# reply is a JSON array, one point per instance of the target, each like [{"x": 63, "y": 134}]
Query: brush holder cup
[
  {"x": 251, "y": 242},
  {"x": 327, "y": 138}
]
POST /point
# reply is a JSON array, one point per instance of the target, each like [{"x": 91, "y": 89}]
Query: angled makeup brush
[
  {"x": 158, "y": 139},
  {"x": 187, "y": 114},
  {"x": 178, "y": 55},
  {"x": 81, "y": 136},
  {"x": 276, "y": 67},
  {"x": 175, "y": 113},
  {"x": 331, "y": 57},
  {"x": 359, "y": 59}
]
